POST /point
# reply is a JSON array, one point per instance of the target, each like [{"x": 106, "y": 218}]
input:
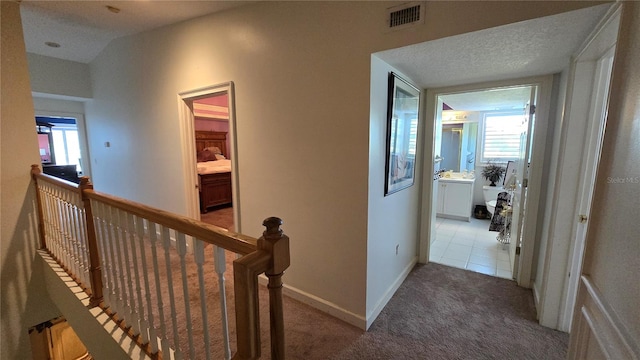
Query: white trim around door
[{"x": 187, "y": 128}]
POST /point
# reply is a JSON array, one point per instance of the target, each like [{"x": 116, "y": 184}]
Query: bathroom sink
[{"x": 456, "y": 177}]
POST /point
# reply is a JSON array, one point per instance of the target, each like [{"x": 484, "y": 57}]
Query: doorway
[
  {"x": 207, "y": 120},
  {"x": 495, "y": 117},
  {"x": 211, "y": 123},
  {"x": 62, "y": 145}
]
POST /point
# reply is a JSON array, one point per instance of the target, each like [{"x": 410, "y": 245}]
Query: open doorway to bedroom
[
  {"x": 207, "y": 121},
  {"x": 211, "y": 124}
]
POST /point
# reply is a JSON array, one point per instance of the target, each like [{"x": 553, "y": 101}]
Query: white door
[
  {"x": 519, "y": 195},
  {"x": 592, "y": 150}
]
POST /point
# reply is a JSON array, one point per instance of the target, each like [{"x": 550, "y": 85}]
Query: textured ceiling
[
  {"x": 534, "y": 47},
  {"x": 85, "y": 28},
  {"x": 487, "y": 100}
]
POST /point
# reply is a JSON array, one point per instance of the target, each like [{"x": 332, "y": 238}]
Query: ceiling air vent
[{"x": 405, "y": 15}]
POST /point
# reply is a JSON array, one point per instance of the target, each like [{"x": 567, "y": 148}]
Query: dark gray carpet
[{"x": 441, "y": 312}]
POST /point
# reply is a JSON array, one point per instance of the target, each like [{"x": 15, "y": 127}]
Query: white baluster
[
  {"x": 46, "y": 214},
  {"x": 118, "y": 284},
  {"x": 140, "y": 310},
  {"x": 82, "y": 226},
  {"x": 220, "y": 264},
  {"x": 105, "y": 258},
  {"x": 57, "y": 215},
  {"x": 182, "y": 251},
  {"x": 65, "y": 239},
  {"x": 166, "y": 244},
  {"x": 149, "y": 323},
  {"x": 127, "y": 288},
  {"x": 198, "y": 252},
  {"x": 53, "y": 231},
  {"x": 74, "y": 265},
  {"x": 164, "y": 339}
]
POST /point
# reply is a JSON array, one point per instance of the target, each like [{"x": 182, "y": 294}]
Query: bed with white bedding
[{"x": 214, "y": 169}]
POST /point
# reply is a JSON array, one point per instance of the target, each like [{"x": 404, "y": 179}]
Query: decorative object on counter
[
  {"x": 493, "y": 173},
  {"x": 402, "y": 123}
]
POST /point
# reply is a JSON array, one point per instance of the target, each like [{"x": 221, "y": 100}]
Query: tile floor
[{"x": 471, "y": 246}]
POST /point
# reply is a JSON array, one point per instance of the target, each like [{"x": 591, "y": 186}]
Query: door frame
[
  {"x": 82, "y": 135},
  {"x": 545, "y": 85},
  {"x": 585, "y": 64},
  {"x": 188, "y": 145}
]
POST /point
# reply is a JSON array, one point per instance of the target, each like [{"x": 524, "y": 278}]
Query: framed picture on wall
[{"x": 403, "y": 105}]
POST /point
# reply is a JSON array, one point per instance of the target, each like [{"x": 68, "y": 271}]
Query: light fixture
[{"x": 52, "y": 44}]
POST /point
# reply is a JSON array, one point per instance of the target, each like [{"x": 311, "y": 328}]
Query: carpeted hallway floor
[
  {"x": 441, "y": 312},
  {"x": 221, "y": 216}
]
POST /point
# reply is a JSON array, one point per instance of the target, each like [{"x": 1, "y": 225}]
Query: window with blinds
[{"x": 501, "y": 137}]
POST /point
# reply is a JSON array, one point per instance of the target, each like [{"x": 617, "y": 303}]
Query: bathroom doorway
[{"x": 476, "y": 126}]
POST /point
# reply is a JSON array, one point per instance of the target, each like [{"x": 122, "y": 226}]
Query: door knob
[{"x": 582, "y": 218}]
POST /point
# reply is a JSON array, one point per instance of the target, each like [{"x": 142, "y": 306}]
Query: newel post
[
  {"x": 95, "y": 271},
  {"x": 277, "y": 244},
  {"x": 35, "y": 171}
]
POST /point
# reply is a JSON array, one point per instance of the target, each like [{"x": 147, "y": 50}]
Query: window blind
[{"x": 501, "y": 140}]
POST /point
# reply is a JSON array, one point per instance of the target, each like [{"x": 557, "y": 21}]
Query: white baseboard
[
  {"x": 343, "y": 314},
  {"x": 371, "y": 317},
  {"x": 536, "y": 299},
  {"x": 321, "y": 304}
]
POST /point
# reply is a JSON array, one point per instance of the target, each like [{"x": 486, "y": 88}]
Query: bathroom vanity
[{"x": 455, "y": 197}]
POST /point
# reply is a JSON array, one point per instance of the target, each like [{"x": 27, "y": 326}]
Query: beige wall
[
  {"x": 612, "y": 258},
  {"x": 23, "y": 297},
  {"x": 302, "y": 74},
  {"x": 302, "y": 71}
]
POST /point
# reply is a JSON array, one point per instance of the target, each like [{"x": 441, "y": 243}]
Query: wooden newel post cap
[
  {"x": 274, "y": 241},
  {"x": 85, "y": 181},
  {"x": 35, "y": 169},
  {"x": 273, "y": 227}
]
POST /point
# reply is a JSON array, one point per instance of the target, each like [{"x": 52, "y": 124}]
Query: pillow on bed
[
  {"x": 206, "y": 155},
  {"x": 213, "y": 149},
  {"x": 220, "y": 157}
]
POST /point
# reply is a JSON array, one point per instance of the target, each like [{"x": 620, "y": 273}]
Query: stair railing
[{"x": 152, "y": 270}]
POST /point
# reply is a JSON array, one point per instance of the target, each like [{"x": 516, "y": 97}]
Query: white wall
[
  {"x": 51, "y": 105},
  {"x": 302, "y": 78},
  {"x": 298, "y": 118},
  {"x": 23, "y": 298},
  {"x": 61, "y": 77},
  {"x": 392, "y": 220}
]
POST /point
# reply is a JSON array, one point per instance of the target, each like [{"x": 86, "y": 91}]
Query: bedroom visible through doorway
[{"x": 209, "y": 144}]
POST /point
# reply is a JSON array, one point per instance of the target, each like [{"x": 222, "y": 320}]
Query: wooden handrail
[
  {"x": 65, "y": 184},
  {"x": 269, "y": 254},
  {"x": 214, "y": 235}
]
